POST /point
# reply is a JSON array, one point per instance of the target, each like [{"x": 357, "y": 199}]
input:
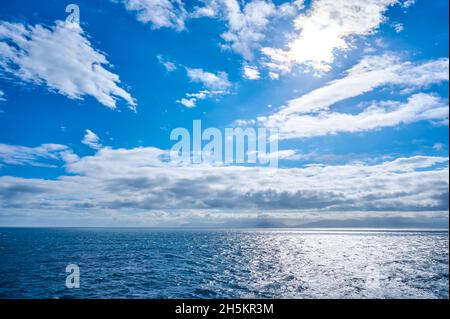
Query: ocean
[{"x": 224, "y": 263}]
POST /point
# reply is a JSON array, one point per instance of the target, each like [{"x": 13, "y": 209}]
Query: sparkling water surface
[{"x": 263, "y": 263}]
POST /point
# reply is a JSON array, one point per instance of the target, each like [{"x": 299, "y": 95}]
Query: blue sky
[{"x": 357, "y": 89}]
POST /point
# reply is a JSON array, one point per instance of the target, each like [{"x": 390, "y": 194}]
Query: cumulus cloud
[
  {"x": 189, "y": 103},
  {"x": 328, "y": 27},
  {"x": 247, "y": 24},
  {"x": 251, "y": 72},
  {"x": 213, "y": 81},
  {"x": 158, "y": 13},
  {"x": 246, "y": 27},
  {"x": 309, "y": 115},
  {"x": 92, "y": 140},
  {"x": 62, "y": 58},
  {"x": 144, "y": 180}
]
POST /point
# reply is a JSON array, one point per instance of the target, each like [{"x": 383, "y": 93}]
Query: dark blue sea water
[{"x": 150, "y": 263}]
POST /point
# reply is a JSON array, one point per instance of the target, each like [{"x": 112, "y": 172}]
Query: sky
[{"x": 357, "y": 90}]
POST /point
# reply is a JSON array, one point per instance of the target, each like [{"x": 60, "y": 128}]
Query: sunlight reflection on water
[{"x": 150, "y": 263}]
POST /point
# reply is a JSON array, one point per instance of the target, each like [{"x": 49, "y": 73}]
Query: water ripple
[{"x": 146, "y": 263}]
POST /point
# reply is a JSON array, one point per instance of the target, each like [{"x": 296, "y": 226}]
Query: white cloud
[
  {"x": 2, "y": 96},
  {"x": 247, "y": 23},
  {"x": 398, "y": 27},
  {"x": 244, "y": 122},
  {"x": 309, "y": 114},
  {"x": 60, "y": 57},
  {"x": 191, "y": 99},
  {"x": 212, "y": 81},
  {"x": 407, "y": 3},
  {"x": 189, "y": 103},
  {"x": 44, "y": 155},
  {"x": 325, "y": 29},
  {"x": 289, "y": 155},
  {"x": 246, "y": 27},
  {"x": 419, "y": 107},
  {"x": 158, "y": 13},
  {"x": 439, "y": 146},
  {"x": 142, "y": 180},
  {"x": 214, "y": 84},
  {"x": 168, "y": 65},
  {"x": 92, "y": 140},
  {"x": 201, "y": 95},
  {"x": 251, "y": 72},
  {"x": 370, "y": 73},
  {"x": 274, "y": 75}
]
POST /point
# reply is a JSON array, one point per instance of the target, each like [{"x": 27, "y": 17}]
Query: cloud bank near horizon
[{"x": 142, "y": 181}]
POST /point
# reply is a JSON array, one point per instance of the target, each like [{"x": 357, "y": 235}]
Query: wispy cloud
[
  {"x": 168, "y": 65},
  {"x": 251, "y": 72},
  {"x": 191, "y": 99},
  {"x": 370, "y": 73},
  {"x": 45, "y": 155},
  {"x": 439, "y": 146},
  {"x": 92, "y": 140},
  {"x": 213, "y": 85},
  {"x": 309, "y": 114},
  {"x": 419, "y": 107}
]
